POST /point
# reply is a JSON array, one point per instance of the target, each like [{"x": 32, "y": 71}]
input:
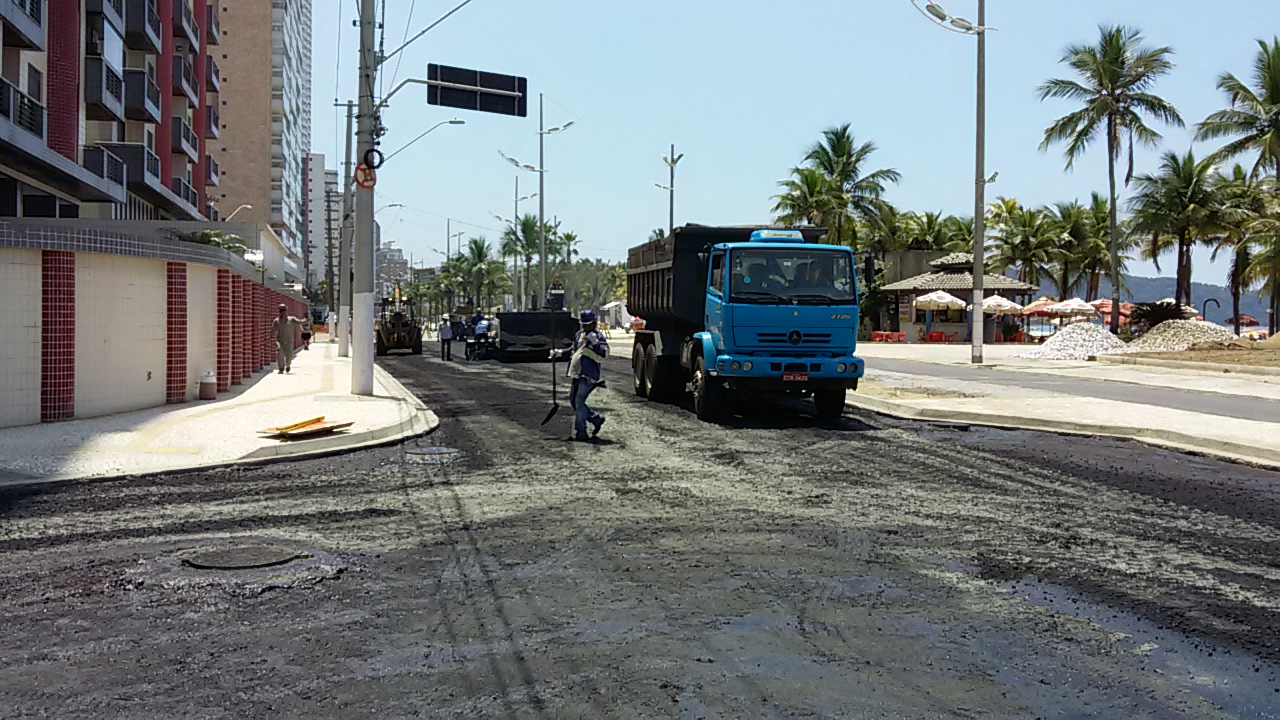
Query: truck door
[{"x": 714, "y": 314}]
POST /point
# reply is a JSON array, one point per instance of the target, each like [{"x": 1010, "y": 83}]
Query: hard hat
[
  {"x": 586, "y": 317},
  {"x": 282, "y": 306}
]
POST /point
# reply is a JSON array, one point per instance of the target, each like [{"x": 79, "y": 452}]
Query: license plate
[{"x": 795, "y": 377}]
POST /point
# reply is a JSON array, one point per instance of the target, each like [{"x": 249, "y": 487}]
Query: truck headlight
[
  {"x": 839, "y": 367},
  {"x": 747, "y": 366},
  {"x": 735, "y": 365}
]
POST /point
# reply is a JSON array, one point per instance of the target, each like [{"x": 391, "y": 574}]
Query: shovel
[{"x": 555, "y": 404}]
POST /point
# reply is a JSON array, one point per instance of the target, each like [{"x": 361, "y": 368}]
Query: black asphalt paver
[{"x": 770, "y": 566}]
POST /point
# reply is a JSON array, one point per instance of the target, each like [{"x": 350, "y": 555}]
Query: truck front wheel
[
  {"x": 829, "y": 402},
  {"x": 707, "y": 393},
  {"x": 639, "y": 376}
]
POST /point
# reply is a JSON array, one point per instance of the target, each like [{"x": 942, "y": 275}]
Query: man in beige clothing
[{"x": 282, "y": 331}]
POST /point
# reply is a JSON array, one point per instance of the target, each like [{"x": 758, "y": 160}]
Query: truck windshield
[{"x": 799, "y": 276}]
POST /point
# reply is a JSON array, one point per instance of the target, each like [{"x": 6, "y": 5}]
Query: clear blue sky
[{"x": 742, "y": 87}]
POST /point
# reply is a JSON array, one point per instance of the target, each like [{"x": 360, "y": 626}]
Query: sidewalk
[
  {"x": 205, "y": 434},
  {"x": 949, "y": 399}
]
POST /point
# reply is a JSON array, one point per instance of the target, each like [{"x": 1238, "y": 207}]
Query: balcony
[
  {"x": 212, "y": 75},
  {"x": 184, "y": 140},
  {"x": 142, "y": 27},
  {"x": 21, "y": 110},
  {"x": 212, "y": 28},
  {"x": 212, "y": 176},
  {"x": 184, "y": 23},
  {"x": 212, "y": 124},
  {"x": 141, "y": 97},
  {"x": 184, "y": 79},
  {"x": 112, "y": 10},
  {"x": 212, "y": 213},
  {"x": 105, "y": 164},
  {"x": 103, "y": 91},
  {"x": 185, "y": 192},
  {"x": 23, "y": 24}
]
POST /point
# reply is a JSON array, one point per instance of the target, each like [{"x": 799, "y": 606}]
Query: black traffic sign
[{"x": 477, "y": 90}]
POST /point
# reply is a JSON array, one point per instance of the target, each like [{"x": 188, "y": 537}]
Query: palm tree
[
  {"x": 959, "y": 234},
  {"x": 1094, "y": 256},
  {"x": 843, "y": 162},
  {"x": 525, "y": 243},
  {"x": 1070, "y": 234},
  {"x": 1115, "y": 77},
  {"x": 1025, "y": 241},
  {"x": 1244, "y": 204},
  {"x": 1177, "y": 207},
  {"x": 808, "y": 198},
  {"x": 483, "y": 274},
  {"x": 1254, "y": 116}
]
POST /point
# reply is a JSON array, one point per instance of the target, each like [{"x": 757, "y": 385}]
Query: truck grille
[{"x": 781, "y": 338}]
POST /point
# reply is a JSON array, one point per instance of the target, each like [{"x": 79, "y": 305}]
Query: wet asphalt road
[{"x": 769, "y": 567}]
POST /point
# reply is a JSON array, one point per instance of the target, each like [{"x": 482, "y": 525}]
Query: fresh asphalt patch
[{"x": 768, "y": 566}]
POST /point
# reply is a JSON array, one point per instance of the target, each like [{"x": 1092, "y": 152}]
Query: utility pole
[
  {"x": 515, "y": 228},
  {"x": 328, "y": 237},
  {"x": 979, "y": 191},
  {"x": 362, "y": 287},
  {"x": 344, "y": 249}
]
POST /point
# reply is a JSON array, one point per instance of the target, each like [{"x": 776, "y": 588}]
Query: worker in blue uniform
[{"x": 589, "y": 350}]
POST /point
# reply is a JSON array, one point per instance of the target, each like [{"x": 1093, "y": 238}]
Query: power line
[{"x": 412, "y": 6}]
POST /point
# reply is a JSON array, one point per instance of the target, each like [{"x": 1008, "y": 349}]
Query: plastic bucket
[{"x": 208, "y": 386}]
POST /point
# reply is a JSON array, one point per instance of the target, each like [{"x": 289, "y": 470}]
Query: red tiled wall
[
  {"x": 58, "y": 336},
  {"x": 237, "y": 329},
  {"x": 224, "y": 330},
  {"x": 176, "y": 352},
  {"x": 256, "y": 331},
  {"x": 63, "y": 82}
]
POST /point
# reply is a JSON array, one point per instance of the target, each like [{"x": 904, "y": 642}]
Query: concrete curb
[
  {"x": 1186, "y": 365},
  {"x": 420, "y": 422},
  {"x": 1235, "y": 452}
]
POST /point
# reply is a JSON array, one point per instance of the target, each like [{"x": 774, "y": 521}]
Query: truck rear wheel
[
  {"x": 707, "y": 394},
  {"x": 639, "y": 376},
  {"x": 829, "y": 402}
]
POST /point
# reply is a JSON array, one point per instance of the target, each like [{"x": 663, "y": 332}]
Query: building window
[{"x": 35, "y": 84}]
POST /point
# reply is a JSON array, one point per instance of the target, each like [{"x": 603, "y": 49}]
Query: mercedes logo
[{"x": 794, "y": 337}]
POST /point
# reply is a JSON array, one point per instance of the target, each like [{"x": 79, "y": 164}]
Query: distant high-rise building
[
  {"x": 324, "y": 216},
  {"x": 266, "y": 109}
]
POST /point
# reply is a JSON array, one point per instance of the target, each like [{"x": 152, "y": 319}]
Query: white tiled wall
[
  {"x": 202, "y": 319},
  {"x": 121, "y": 311},
  {"x": 20, "y": 309}
]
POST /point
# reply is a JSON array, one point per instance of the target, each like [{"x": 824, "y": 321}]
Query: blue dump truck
[{"x": 744, "y": 313}]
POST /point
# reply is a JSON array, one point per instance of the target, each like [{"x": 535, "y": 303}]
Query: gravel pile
[
  {"x": 1178, "y": 335},
  {"x": 1078, "y": 341}
]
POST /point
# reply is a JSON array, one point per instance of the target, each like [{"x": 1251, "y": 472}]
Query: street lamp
[
  {"x": 670, "y": 161},
  {"x": 542, "y": 172},
  {"x": 946, "y": 21},
  {"x": 388, "y": 206},
  {"x": 454, "y": 121},
  {"x": 514, "y": 222},
  {"x": 233, "y": 212}
]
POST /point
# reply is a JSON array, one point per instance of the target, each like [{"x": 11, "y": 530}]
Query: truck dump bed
[{"x": 666, "y": 278}]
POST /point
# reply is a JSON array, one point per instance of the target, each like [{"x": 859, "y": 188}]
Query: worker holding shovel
[{"x": 589, "y": 350}]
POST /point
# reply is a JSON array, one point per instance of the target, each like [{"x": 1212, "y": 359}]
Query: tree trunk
[
  {"x": 1235, "y": 291},
  {"x": 1115, "y": 240}
]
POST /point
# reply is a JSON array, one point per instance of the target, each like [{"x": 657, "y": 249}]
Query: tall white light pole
[
  {"x": 542, "y": 209},
  {"x": 514, "y": 222},
  {"x": 941, "y": 17},
  {"x": 670, "y": 161}
]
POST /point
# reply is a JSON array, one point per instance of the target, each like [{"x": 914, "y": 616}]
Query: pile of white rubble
[
  {"x": 1178, "y": 335},
  {"x": 1078, "y": 341}
]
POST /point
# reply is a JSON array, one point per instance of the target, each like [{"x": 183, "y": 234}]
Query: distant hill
[{"x": 1147, "y": 289}]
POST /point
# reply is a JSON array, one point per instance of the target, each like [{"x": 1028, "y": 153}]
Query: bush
[{"x": 1152, "y": 314}]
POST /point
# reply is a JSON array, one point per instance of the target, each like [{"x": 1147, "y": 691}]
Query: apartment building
[
  {"x": 265, "y": 103},
  {"x": 103, "y": 109},
  {"x": 324, "y": 216}
]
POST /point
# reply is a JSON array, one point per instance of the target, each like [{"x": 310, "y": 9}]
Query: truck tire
[
  {"x": 652, "y": 380},
  {"x": 828, "y": 400},
  {"x": 707, "y": 394},
  {"x": 639, "y": 377}
]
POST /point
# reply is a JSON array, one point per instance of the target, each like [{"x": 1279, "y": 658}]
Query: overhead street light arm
[
  {"x": 940, "y": 17},
  {"x": 454, "y": 121},
  {"x": 424, "y": 31}
]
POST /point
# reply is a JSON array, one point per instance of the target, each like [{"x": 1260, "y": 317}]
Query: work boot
[
  {"x": 595, "y": 425},
  {"x": 581, "y": 438}
]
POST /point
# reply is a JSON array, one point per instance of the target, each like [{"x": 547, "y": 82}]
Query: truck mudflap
[{"x": 789, "y": 372}]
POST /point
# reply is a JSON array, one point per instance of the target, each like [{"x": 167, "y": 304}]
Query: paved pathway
[
  {"x": 1212, "y": 403},
  {"x": 202, "y": 434}
]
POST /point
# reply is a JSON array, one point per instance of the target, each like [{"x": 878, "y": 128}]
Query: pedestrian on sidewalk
[
  {"x": 306, "y": 334},
  {"x": 590, "y": 348},
  {"x": 446, "y": 338},
  {"x": 283, "y": 328}
]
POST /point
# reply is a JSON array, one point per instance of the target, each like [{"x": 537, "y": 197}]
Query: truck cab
[{"x": 779, "y": 318}]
